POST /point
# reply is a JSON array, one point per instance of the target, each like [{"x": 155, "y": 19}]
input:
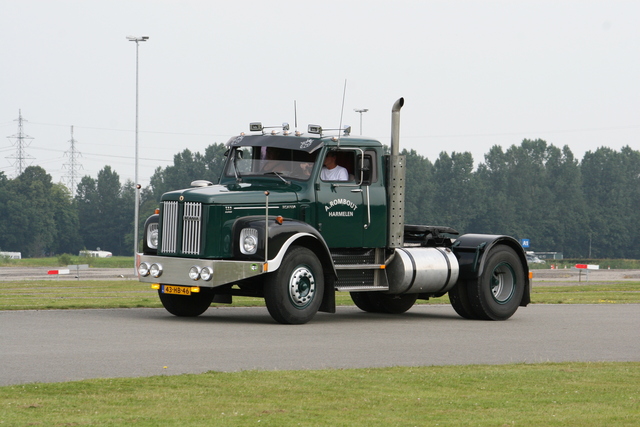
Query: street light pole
[
  {"x": 363, "y": 110},
  {"x": 137, "y": 40}
]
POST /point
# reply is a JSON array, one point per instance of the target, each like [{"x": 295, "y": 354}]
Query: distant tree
[
  {"x": 419, "y": 188},
  {"x": 455, "y": 196},
  {"x": 105, "y": 210},
  {"x": 188, "y": 167},
  {"x": 28, "y": 221},
  {"x": 65, "y": 215},
  {"x": 610, "y": 186}
]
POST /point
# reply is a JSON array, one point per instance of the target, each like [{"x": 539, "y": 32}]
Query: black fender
[
  {"x": 155, "y": 218},
  {"x": 282, "y": 235},
  {"x": 471, "y": 250}
]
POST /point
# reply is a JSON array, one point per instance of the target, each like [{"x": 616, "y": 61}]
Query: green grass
[
  {"x": 74, "y": 294},
  {"x": 66, "y": 259},
  {"x": 550, "y": 394}
]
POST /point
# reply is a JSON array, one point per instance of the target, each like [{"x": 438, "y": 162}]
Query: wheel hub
[
  {"x": 503, "y": 283},
  {"x": 302, "y": 287}
]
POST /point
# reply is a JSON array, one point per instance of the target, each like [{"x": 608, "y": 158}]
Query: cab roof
[{"x": 308, "y": 143}]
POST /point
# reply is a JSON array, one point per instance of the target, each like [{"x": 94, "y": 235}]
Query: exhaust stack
[
  {"x": 396, "y": 181},
  {"x": 395, "y": 126}
]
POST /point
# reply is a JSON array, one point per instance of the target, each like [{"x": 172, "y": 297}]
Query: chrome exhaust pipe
[
  {"x": 395, "y": 183},
  {"x": 395, "y": 127}
]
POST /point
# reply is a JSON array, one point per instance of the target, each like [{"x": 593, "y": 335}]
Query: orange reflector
[
  {"x": 382, "y": 267},
  {"x": 531, "y": 275},
  {"x": 155, "y": 286},
  {"x": 195, "y": 289},
  {"x": 279, "y": 219},
  {"x": 265, "y": 267},
  {"x": 157, "y": 211}
]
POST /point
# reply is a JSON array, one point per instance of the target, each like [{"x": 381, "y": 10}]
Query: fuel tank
[{"x": 422, "y": 270}]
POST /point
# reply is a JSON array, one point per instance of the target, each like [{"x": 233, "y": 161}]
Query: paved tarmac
[{"x": 64, "y": 345}]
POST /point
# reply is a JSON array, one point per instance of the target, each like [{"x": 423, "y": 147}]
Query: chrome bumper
[{"x": 175, "y": 271}]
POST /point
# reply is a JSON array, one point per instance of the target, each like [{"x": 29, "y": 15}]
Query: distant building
[
  {"x": 96, "y": 254},
  {"x": 549, "y": 255},
  {"x": 11, "y": 255}
]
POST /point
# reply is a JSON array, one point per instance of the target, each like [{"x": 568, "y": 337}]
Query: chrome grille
[
  {"x": 169, "y": 227},
  {"x": 191, "y": 228}
]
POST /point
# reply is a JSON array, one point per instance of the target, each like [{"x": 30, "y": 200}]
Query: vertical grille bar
[
  {"x": 192, "y": 225},
  {"x": 169, "y": 227}
]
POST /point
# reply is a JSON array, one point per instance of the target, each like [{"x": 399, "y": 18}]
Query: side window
[
  {"x": 338, "y": 165},
  {"x": 368, "y": 167}
]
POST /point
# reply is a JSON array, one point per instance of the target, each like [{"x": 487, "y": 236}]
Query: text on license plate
[{"x": 177, "y": 290}]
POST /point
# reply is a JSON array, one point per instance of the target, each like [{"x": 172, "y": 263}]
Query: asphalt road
[{"x": 64, "y": 345}]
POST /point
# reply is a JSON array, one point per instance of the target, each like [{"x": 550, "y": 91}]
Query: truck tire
[
  {"x": 294, "y": 292},
  {"x": 459, "y": 298},
  {"x": 365, "y": 302},
  {"x": 396, "y": 304},
  {"x": 497, "y": 293},
  {"x": 376, "y": 302},
  {"x": 187, "y": 305}
]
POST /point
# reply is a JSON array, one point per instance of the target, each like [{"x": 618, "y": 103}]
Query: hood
[{"x": 233, "y": 194}]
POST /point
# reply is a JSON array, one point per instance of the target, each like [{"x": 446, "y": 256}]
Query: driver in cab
[{"x": 331, "y": 171}]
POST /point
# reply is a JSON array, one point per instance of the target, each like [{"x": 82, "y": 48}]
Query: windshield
[{"x": 270, "y": 161}]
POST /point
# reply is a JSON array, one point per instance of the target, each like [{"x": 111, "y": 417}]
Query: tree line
[{"x": 534, "y": 190}]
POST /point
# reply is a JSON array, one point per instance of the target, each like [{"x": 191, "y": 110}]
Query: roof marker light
[{"x": 317, "y": 129}]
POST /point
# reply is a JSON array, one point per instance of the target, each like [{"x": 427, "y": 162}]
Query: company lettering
[
  {"x": 341, "y": 213},
  {"x": 336, "y": 202}
]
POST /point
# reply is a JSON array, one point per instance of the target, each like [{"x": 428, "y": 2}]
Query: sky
[{"x": 474, "y": 74}]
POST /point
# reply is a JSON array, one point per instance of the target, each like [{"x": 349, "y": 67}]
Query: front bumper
[{"x": 175, "y": 271}]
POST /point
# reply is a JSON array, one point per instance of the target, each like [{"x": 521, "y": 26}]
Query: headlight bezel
[{"x": 249, "y": 241}]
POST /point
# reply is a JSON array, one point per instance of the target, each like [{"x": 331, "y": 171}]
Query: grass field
[
  {"x": 73, "y": 294},
  {"x": 565, "y": 394}
]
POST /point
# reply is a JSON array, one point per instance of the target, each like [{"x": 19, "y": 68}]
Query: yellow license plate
[{"x": 176, "y": 290}]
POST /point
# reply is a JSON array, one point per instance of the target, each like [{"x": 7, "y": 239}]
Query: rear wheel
[
  {"x": 294, "y": 292},
  {"x": 187, "y": 305},
  {"x": 497, "y": 293},
  {"x": 459, "y": 298}
]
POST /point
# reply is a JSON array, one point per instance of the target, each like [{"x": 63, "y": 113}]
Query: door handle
[{"x": 357, "y": 190}]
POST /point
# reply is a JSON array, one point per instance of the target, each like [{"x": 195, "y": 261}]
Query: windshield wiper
[{"x": 279, "y": 176}]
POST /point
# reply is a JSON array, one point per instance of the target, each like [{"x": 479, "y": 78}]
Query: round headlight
[
  {"x": 206, "y": 274},
  {"x": 249, "y": 241},
  {"x": 155, "y": 270},
  {"x": 194, "y": 273},
  {"x": 152, "y": 236},
  {"x": 143, "y": 269}
]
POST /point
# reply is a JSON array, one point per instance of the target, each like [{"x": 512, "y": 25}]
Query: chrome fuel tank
[{"x": 422, "y": 270}]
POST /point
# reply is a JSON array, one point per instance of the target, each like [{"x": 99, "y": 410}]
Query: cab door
[{"x": 340, "y": 208}]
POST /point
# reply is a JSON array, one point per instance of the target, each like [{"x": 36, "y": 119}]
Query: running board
[
  {"x": 361, "y": 288},
  {"x": 360, "y": 266}
]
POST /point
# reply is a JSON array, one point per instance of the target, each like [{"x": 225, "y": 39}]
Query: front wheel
[
  {"x": 187, "y": 305},
  {"x": 294, "y": 292},
  {"x": 497, "y": 293}
]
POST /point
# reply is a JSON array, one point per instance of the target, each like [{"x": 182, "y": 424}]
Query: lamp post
[
  {"x": 363, "y": 110},
  {"x": 137, "y": 40}
]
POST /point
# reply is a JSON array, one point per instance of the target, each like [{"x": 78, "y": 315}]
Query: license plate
[{"x": 176, "y": 290}]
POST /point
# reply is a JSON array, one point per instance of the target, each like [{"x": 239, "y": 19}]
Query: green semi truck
[{"x": 280, "y": 226}]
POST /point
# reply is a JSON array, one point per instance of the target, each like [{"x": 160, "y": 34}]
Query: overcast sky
[{"x": 474, "y": 74}]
